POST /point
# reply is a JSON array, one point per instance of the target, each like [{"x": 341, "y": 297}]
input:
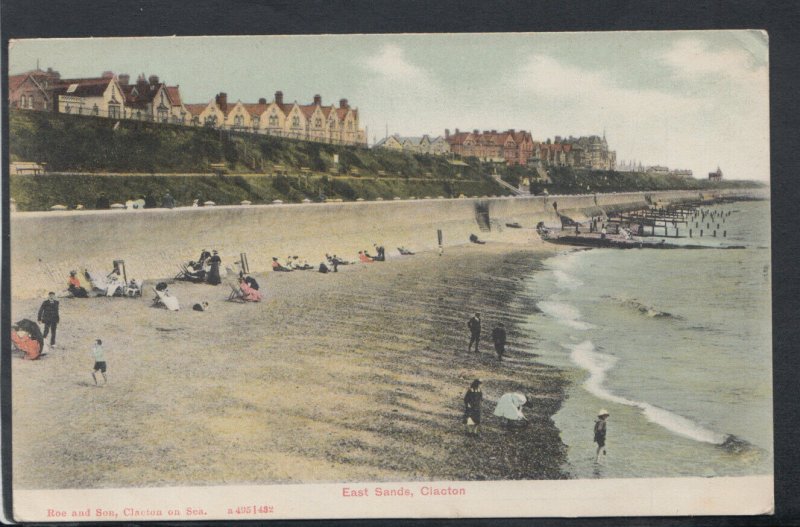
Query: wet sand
[{"x": 353, "y": 376}]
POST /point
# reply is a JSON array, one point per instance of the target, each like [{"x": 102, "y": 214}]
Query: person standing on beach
[
  {"x": 499, "y": 339},
  {"x": 99, "y": 361},
  {"x": 472, "y": 408},
  {"x": 600, "y": 433},
  {"x": 474, "y": 326},
  {"x": 48, "y": 315},
  {"x": 213, "y": 275}
]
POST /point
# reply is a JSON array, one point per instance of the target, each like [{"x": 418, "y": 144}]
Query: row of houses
[
  {"x": 590, "y": 152},
  {"x": 417, "y": 145},
  {"x": 512, "y": 147},
  {"x": 150, "y": 99}
]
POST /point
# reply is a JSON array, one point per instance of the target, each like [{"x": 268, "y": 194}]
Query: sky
[{"x": 687, "y": 99}]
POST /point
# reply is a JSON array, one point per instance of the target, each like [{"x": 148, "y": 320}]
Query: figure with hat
[
  {"x": 472, "y": 408},
  {"x": 509, "y": 407},
  {"x": 600, "y": 433},
  {"x": 213, "y": 274}
]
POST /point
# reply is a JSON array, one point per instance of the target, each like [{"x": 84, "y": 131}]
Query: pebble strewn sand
[{"x": 358, "y": 375}]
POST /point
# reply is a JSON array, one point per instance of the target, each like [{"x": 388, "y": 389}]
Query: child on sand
[
  {"x": 600, "y": 433},
  {"x": 472, "y": 408},
  {"x": 99, "y": 361}
]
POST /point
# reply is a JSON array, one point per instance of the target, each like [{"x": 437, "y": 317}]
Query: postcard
[{"x": 390, "y": 276}]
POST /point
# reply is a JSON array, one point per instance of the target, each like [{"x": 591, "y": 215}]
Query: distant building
[
  {"x": 149, "y": 99},
  {"x": 658, "y": 170},
  {"x": 589, "y": 152},
  {"x": 31, "y": 90},
  {"x": 417, "y": 145},
  {"x": 97, "y": 96},
  {"x": 715, "y": 176},
  {"x": 512, "y": 147},
  {"x": 309, "y": 122}
]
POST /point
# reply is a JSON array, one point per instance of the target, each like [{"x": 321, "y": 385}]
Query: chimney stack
[
  {"x": 475, "y": 131},
  {"x": 343, "y": 103},
  {"x": 511, "y": 130},
  {"x": 278, "y": 98},
  {"x": 124, "y": 79},
  {"x": 153, "y": 79},
  {"x": 318, "y": 100},
  {"x": 457, "y": 131},
  {"x": 222, "y": 101},
  {"x": 262, "y": 100},
  {"x": 446, "y": 133},
  {"x": 108, "y": 75}
]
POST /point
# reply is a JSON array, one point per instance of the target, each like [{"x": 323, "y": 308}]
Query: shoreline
[{"x": 354, "y": 376}]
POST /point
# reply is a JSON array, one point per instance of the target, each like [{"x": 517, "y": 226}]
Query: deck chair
[
  {"x": 236, "y": 294},
  {"x": 183, "y": 274},
  {"x": 164, "y": 300}
]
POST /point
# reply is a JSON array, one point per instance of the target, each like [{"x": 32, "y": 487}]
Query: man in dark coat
[
  {"x": 499, "y": 338},
  {"x": 48, "y": 315},
  {"x": 474, "y": 326}
]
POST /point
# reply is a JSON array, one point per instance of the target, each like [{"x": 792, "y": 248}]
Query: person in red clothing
[
  {"x": 363, "y": 258},
  {"x": 276, "y": 265},
  {"x": 26, "y": 343},
  {"x": 74, "y": 286}
]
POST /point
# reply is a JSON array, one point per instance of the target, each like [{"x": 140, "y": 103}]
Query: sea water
[{"x": 674, "y": 343}]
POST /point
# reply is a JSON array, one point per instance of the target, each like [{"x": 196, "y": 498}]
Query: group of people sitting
[
  {"x": 204, "y": 270},
  {"x": 292, "y": 263},
  {"x": 113, "y": 284},
  {"x": 365, "y": 257}
]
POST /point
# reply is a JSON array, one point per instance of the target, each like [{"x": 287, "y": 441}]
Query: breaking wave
[{"x": 598, "y": 364}]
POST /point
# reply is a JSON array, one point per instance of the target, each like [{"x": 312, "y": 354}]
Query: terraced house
[
  {"x": 149, "y": 99},
  {"x": 309, "y": 122},
  {"x": 512, "y": 147}
]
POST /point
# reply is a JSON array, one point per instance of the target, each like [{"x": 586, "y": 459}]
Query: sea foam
[
  {"x": 564, "y": 313},
  {"x": 597, "y": 364}
]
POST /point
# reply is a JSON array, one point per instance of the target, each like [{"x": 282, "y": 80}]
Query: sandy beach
[{"x": 353, "y": 376}]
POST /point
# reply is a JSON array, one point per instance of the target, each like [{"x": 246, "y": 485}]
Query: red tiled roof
[
  {"x": 255, "y": 108},
  {"x": 195, "y": 109},
  {"x": 15, "y": 81},
  {"x": 285, "y": 108},
  {"x": 308, "y": 110},
  {"x": 342, "y": 113},
  {"x": 459, "y": 138},
  {"x": 326, "y": 110},
  {"x": 174, "y": 94}
]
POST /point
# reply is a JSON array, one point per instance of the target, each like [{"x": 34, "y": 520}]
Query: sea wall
[{"x": 45, "y": 246}]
